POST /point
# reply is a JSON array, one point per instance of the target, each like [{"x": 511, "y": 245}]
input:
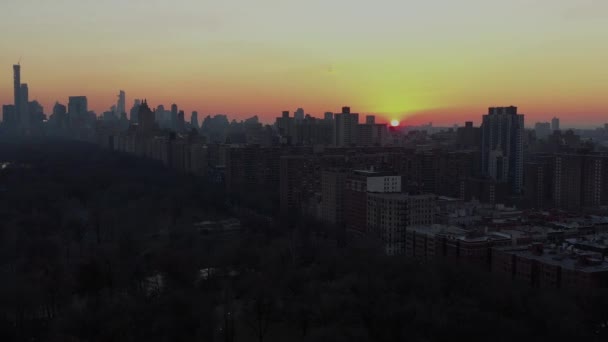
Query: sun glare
[{"x": 394, "y": 123}]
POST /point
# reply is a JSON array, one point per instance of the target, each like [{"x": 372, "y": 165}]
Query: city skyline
[{"x": 417, "y": 62}]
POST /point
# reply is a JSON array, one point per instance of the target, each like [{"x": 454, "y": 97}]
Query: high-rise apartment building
[
  {"x": 358, "y": 185},
  {"x": 580, "y": 181},
  {"x": 538, "y": 182},
  {"x": 388, "y": 216},
  {"x": 345, "y": 128},
  {"x": 371, "y": 134},
  {"x": 299, "y": 114},
  {"x": 332, "y": 194},
  {"x": 286, "y": 128},
  {"x": 502, "y": 133},
  {"x": 468, "y": 137}
]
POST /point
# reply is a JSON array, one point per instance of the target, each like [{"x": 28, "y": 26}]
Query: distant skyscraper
[
  {"x": 370, "y": 119},
  {"x": 181, "y": 123},
  {"x": 24, "y": 116},
  {"x": 133, "y": 115},
  {"x": 35, "y": 113},
  {"x": 145, "y": 118},
  {"x": 555, "y": 124},
  {"x": 121, "y": 106},
  {"x": 160, "y": 114},
  {"x": 502, "y": 133},
  {"x": 17, "y": 90},
  {"x": 77, "y": 108},
  {"x": 59, "y": 109},
  {"x": 329, "y": 116},
  {"x": 194, "y": 120},
  {"x": 345, "y": 127},
  {"x": 174, "y": 112},
  {"x": 60, "y": 115},
  {"x": 286, "y": 127},
  {"x": 299, "y": 114},
  {"x": 542, "y": 129},
  {"x": 9, "y": 115}
]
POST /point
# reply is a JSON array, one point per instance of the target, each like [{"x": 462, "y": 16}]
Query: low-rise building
[{"x": 556, "y": 267}]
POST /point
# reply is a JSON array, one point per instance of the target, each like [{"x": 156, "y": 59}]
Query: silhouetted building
[
  {"x": 332, "y": 194},
  {"x": 121, "y": 106},
  {"x": 59, "y": 119},
  {"x": 174, "y": 112},
  {"x": 17, "y": 92},
  {"x": 24, "y": 116},
  {"x": 194, "y": 120},
  {"x": 145, "y": 119},
  {"x": 357, "y": 186},
  {"x": 538, "y": 182},
  {"x": 286, "y": 128},
  {"x": 371, "y": 134},
  {"x": 555, "y": 124},
  {"x": 35, "y": 114},
  {"x": 502, "y": 152},
  {"x": 542, "y": 129},
  {"x": 453, "y": 171},
  {"x": 554, "y": 268},
  {"x": 134, "y": 112},
  {"x": 77, "y": 109},
  {"x": 580, "y": 181},
  {"x": 389, "y": 215},
  {"x": 328, "y": 116},
  {"x": 486, "y": 190},
  {"x": 9, "y": 116},
  {"x": 345, "y": 128},
  {"x": 301, "y": 177},
  {"x": 181, "y": 123},
  {"x": 59, "y": 110},
  {"x": 299, "y": 115},
  {"x": 468, "y": 137}
]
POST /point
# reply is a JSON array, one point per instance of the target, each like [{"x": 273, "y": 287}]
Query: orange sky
[{"x": 417, "y": 61}]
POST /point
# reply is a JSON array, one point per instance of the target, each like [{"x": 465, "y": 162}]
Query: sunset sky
[{"x": 417, "y": 61}]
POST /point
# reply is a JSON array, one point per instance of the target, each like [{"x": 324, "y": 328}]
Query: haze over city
[{"x": 413, "y": 61}]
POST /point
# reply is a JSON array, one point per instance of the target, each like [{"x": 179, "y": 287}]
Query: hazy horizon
[{"x": 416, "y": 61}]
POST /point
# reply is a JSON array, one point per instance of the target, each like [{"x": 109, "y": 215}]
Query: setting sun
[{"x": 394, "y": 123}]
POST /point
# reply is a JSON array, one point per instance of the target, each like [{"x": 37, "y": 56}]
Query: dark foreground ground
[{"x": 98, "y": 246}]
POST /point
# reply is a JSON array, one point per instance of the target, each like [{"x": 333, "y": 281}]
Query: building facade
[{"x": 502, "y": 133}]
